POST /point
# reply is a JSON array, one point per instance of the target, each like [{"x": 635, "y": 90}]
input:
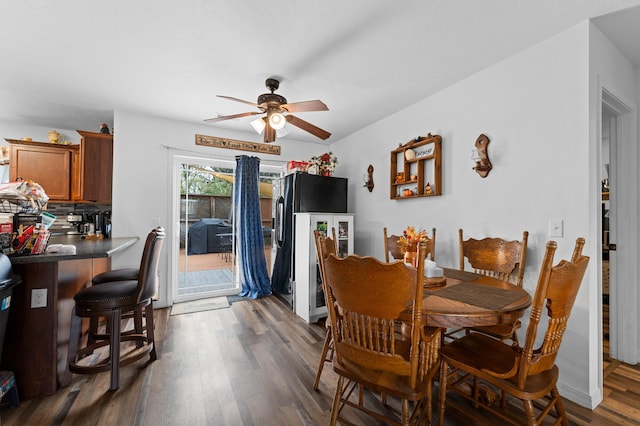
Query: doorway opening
[
  {"x": 608, "y": 146},
  {"x": 619, "y": 229},
  {"x": 203, "y": 209},
  {"x": 206, "y": 261}
]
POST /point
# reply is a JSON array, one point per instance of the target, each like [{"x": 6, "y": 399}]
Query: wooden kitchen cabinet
[
  {"x": 50, "y": 165},
  {"x": 78, "y": 173},
  {"x": 93, "y": 171}
]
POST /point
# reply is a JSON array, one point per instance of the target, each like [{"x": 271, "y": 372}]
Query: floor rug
[
  {"x": 199, "y": 305},
  {"x": 204, "y": 281},
  {"x": 236, "y": 298}
]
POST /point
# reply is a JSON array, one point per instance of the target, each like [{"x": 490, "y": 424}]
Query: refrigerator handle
[{"x": 279, "y": 225}]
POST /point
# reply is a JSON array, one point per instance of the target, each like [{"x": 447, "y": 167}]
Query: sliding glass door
[{"x": 205, "y": 263}]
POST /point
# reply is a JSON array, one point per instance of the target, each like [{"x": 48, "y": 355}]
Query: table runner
[{"x": 478, "y": 295}]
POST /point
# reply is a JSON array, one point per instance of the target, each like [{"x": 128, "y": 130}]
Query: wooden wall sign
[{"x": 217, "y": 142}]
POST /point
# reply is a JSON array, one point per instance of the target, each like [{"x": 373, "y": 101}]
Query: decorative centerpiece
[
  {"x": 409, "y": 243},
  {"x": 325, "y": 163}
]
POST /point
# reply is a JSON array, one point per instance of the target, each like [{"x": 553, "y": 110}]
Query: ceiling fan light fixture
[
  {"x": 280, "y": 133},
  {"x": 277, "y": 120},
  {"x": 258, "y": 124}
]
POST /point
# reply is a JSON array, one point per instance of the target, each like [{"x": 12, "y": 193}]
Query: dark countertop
[{"x": 85, "y": 249}]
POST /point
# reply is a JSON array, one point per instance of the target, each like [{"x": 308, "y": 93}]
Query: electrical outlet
[{"x": 39, "y": 298}]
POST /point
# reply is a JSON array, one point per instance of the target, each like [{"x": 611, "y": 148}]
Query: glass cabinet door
[
  {"x": 343, "y": 232},
  {"x": 317, "y": 293}
]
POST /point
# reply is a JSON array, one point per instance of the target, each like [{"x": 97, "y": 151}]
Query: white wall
[
  {"x": 534, "y": 108},
  {"x": 142, "y": 173}
]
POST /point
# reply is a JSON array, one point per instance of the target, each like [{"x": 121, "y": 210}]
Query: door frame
[
  {"x": 174, "y": 240},
  {"x": 623, "y": 199}
]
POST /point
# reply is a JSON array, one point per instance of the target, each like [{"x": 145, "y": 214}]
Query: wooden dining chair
[
  {"x": 498, "y": 258},
  {"x": 368, "y": 302},
  {"x": 393, "y": 248},
  {"x": 325, "y": 246},
  {"x": 527, "y": 373}
]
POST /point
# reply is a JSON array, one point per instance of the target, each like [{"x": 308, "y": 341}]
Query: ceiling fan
[{"x": 277, "y": 112}]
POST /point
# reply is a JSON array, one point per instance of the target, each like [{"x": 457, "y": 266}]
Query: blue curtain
[{"x": 248, "y": 227}]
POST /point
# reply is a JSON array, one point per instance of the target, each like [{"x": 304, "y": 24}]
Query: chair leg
[
  {"x": 529, "y": 413},
  {"x": 114, "y": 349},
  {"x": 137, "y": 322},
  {"x": 74, "y": 340},
  {"x": 443, "y": 391},
  {"x": 336, "y": 401},
  {"x": 153, "y": 355},
  {"x": 560, "y": 413},
  {"x": 94, "y": 323},
  {"x": 323, "y": 358},
  {"x": 405, "y": 412}
]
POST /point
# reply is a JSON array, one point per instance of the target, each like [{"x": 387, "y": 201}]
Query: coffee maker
[
  {"x": 76, "y": 224},
  {"x": 101, "y": 223}
]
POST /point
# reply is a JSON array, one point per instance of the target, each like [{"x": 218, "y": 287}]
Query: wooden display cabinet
[{"x": 416, "y": 168}]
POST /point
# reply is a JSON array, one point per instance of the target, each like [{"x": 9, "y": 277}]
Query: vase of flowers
[
  {"x": 325, "y": 163},
  {"x": 409, "y": 243}
]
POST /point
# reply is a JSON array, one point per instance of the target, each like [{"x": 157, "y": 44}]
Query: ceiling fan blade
[
  {"x": 308, "y": 127},
  {"x": 269, "y": 133},
  {"x": 306, "y": 106},
  {"x": 231, "y": 117},
  {"x": 238, "y": 100}
]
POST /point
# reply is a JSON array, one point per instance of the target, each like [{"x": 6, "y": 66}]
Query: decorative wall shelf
[{"x": 416, "y": 168}]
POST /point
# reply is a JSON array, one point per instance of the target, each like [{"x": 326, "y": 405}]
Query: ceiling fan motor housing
[{"x": 271, "y": 98}]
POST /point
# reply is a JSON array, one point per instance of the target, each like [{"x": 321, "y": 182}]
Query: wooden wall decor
[
  {"x": 481, "y": 156},
  {"x": 217, "y": 142},
  {"x": 416, "y": 168},
  {"x": 368, "y": 182}
]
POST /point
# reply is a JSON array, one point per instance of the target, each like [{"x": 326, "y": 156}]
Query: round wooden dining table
[{"x": 471, "y": 300}]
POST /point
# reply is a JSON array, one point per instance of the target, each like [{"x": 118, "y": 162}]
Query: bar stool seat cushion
[
  {"x": 124, "y": 274},
  {"x": 107, "y": 296}
]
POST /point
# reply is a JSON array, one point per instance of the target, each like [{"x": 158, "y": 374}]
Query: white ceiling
[{"x": 69, "y": 64}]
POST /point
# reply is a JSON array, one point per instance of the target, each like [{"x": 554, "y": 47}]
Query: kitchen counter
[
  {"x": 37, "y": 338},
  {"x": 85, "y": 249}
]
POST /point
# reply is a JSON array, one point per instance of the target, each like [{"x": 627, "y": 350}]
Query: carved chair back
[{"x": 495, "y": 257}]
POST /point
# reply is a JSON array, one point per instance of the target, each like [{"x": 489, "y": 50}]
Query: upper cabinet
[
  {"x": 48, "y": 164},
  {"x": 69, "y": 173},
  {"x": 94, "y": 168}
]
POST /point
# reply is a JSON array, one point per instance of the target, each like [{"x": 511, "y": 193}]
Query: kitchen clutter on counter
[{"x": 23, "y": 228}]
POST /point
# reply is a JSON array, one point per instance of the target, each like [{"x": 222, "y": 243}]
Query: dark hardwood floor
[{"x": 251, "y": 364}]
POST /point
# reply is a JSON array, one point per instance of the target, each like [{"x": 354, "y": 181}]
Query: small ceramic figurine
[
  {"x": 427, "y": 189},
  {"x": 104, "y": 128},
  {"x": 54, "y": 137}
]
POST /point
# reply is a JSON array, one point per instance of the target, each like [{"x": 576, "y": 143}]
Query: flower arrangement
[
  {"x": 410, "y": 238},
  {"x": 326, "y": 163}
]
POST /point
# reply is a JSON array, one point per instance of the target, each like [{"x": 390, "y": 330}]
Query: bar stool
[{"x": 111, "y": 300}]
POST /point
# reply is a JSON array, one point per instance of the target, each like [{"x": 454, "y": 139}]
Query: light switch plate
[{"x": 556, "y": 228}]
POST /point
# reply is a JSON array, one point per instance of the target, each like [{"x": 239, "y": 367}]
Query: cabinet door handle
[{"x": 612, "y": 247}]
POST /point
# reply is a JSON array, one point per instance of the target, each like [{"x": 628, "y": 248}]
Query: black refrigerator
[{"x": 297, "y": 193}]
